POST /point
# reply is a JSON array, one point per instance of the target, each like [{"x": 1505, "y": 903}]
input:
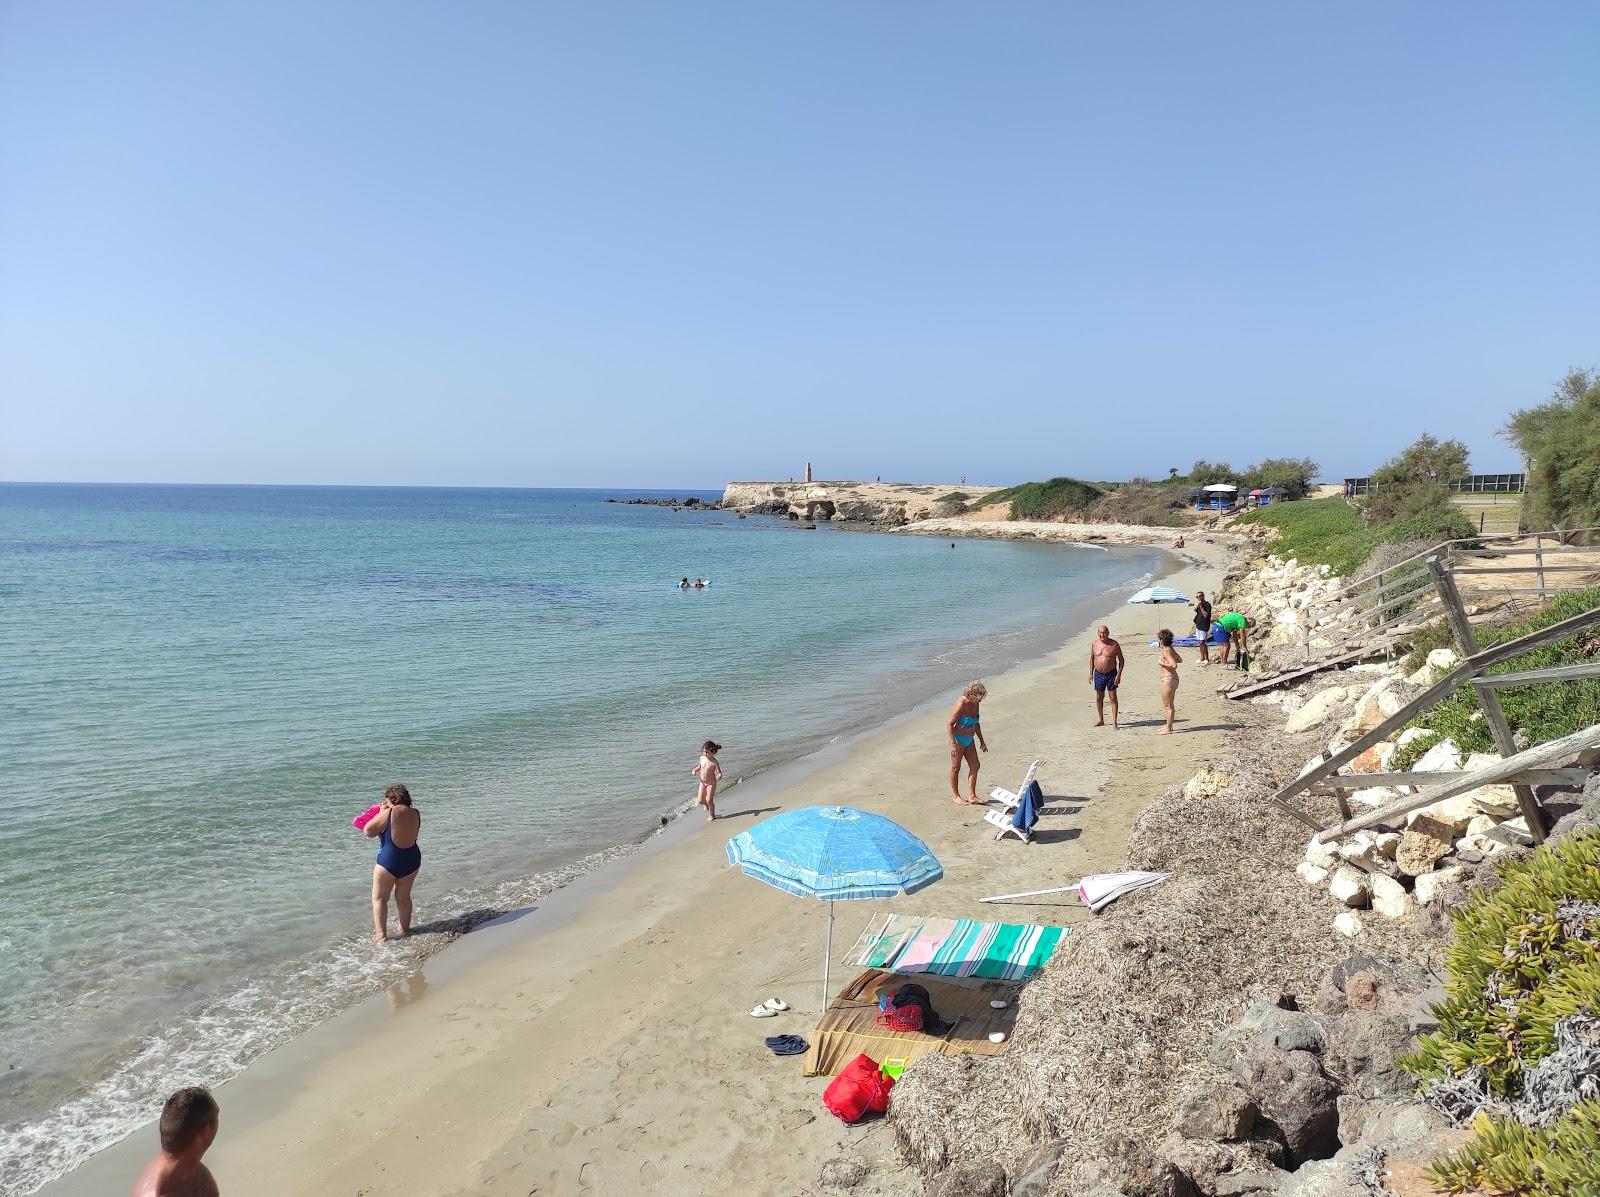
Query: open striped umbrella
[{"x": 838, "y": 854}]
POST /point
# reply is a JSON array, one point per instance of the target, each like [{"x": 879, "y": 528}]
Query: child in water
[{"x": 709, "y": 772}]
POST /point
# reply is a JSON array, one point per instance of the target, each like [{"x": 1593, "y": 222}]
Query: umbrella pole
[{"x": 827, "y": 958}]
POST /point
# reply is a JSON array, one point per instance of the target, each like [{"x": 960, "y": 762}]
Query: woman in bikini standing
[
  {"x": 396, "y": 827},
  {"x": 1169, "y": 662},
  {"x": 964, "y": 727}
]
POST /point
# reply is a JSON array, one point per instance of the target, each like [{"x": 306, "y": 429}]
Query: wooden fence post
[
  {"x": 1488, "y": 699},
  {"x": 1538, "y": 560}
]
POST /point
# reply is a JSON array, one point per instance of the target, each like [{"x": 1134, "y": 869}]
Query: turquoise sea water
[{"x": 202, "y": 685}]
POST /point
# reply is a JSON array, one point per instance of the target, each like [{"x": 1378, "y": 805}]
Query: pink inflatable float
[{"x": 365, "y": 816}]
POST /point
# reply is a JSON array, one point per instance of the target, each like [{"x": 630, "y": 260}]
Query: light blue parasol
[{"x": 838, "y": 854}]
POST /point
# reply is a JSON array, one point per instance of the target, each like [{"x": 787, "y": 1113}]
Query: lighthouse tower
[{"x": 808, "y": 471}]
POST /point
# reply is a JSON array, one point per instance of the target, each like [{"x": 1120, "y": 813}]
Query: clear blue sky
[{"x": 678, "y": 243}]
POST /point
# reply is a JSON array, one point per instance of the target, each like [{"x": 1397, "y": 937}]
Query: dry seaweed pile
[{"x": 1110, "y": 1034}]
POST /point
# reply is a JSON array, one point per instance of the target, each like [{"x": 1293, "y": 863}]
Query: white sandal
[
  {"x": 776, "y": 1005},
  {"x": 762, "y": 1011}
]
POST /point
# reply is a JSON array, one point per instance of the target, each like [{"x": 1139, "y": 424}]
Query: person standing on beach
[
  {"x": 709, "y": 771},
  {"x": 189, "y": 1123},
  {"x": 965, "y": 727},
  {"x": 1105, "y": 674},
  {"x": 396, "y": 827},
  {"x": 1169, "y": 662},
  {"x": 1202, "y": 625}
]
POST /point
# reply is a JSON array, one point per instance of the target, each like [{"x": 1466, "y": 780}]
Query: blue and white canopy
[
  {"x": 1159, "y": 594},
  {"x": 835, "y": 853}
]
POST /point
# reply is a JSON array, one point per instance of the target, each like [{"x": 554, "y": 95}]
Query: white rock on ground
[
  {"x": 1411, "y": 735},
  {"x": 1320, "y": 855},
  {"x": 1388, "y": 843},
  {"x": 1317, "y": 709},
  {"x": 1429, "y": 884},
  {"x": 1349, "y": 886},
  {"x": 1348, "y": 924},
  {"x": 1389, "y": 897},
  {"x": 1374, "y": 796},
  {"x": 1443, "y": 659},
  {"x": 1443, "y": 757},
  {"x": 1498, "y": 800},
  {"x": 1309, "y": 873},
  {"x": 1455, "y": 813}
]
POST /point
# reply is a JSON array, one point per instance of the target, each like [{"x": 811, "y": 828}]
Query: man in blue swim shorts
[{"x": 1105, "y": 674}]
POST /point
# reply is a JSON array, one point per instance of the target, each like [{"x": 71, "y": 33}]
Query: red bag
[{"x": 859, "y": 1089}]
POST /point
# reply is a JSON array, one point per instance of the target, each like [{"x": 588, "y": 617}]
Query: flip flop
[
  {"x": 763, "y": 1011},
  {"x": 776, "y": 1005},
  {"x": 787, "y": 1045}
]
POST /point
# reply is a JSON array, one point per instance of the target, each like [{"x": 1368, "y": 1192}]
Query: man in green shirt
[{"x": 1238, "y": 636}]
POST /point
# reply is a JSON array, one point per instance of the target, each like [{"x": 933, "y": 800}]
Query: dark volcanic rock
[
  {"x": 979, "y": 1178},
  {"x": 1291, "y": 1090}
]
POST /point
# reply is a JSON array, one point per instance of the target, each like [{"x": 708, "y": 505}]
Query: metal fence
[{"x": 1473, "y": 484}]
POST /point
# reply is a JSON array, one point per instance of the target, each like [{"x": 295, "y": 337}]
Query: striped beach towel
[
  {"x": 880, "y": 946},
  {"x": 1005, "y": 951}
]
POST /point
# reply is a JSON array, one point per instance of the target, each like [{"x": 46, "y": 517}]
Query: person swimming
[
  {"x": 396, "y": 828},
  {"x": 684, "y": 584}
]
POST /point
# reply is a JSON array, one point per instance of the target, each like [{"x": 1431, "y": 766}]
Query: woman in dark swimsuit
[
  {"x": 396, "y": 828},
  {"x": 965, "y": 727}
]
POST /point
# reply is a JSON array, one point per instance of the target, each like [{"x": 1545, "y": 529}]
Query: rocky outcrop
[{"x": 887, "y": 504}]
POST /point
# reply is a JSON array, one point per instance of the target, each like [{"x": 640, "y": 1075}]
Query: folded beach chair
[
  {"x": 1005, "y": 797},
  {"x": 1019, "y": 820}
]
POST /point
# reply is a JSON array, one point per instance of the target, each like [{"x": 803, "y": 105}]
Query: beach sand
[{"x": 602, "y": 1043}]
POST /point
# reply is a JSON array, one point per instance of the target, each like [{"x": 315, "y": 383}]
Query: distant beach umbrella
[
  {"x": 837, "y": 854},
  {"x": 1220, "y": 486},
  {"x": 1156, "y": 595}
]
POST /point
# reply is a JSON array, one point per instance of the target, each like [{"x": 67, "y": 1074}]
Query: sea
[{"x": 200, "y": 686}]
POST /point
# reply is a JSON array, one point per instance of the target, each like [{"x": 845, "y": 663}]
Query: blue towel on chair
[{"x": 1027, "y": 812}]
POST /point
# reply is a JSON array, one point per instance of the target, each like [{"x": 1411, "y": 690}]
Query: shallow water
[{"x": 202, "y": 685}]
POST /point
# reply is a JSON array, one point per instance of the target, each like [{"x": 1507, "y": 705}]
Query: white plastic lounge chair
[
  {"x": 1002, "y": 820},
  {"x": 1008, "y": 799}
]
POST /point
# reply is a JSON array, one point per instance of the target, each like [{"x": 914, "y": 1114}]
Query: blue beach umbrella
[{"x": 838, "y": 854}]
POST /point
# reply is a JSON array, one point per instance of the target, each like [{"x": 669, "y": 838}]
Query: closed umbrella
[
  {"x": 1156, "y": 595},
  {"x": 838, "y": 854}
]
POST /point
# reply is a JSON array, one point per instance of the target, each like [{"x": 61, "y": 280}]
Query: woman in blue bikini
[
  {"x": 964, "y": 728},
  {"x": 396, "y": 827}
]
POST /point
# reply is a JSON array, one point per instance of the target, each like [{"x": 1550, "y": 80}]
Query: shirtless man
[
  {"x": 1105, "y": 674},
  {"x": 188, "y": 1125}
]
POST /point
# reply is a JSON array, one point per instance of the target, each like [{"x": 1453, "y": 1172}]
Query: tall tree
[{"x": 1560, "y": 445}]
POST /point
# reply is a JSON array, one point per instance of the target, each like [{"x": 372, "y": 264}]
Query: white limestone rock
[
  {"x": 1443, "y": 659},
  {"x": 1443, "y": 757},
  {"x": 1410, "y": 736},
  {"x": 1374, "y": 796},
  {"x": 1317, "y": 710},
  {"x": 1429, "y": 885},
  {"x": 1309, "y": 873},
  {"x": 1320, "y": 855},
  {"x": 1389, "y": 897},
  {"x": 1455, "y": 813},
  {"x": 1349, "y": 886},
  {"x": 1348, "y": 924}
]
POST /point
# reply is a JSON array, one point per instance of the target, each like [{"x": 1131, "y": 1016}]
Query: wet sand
[{"x": 602, "y": 1043}]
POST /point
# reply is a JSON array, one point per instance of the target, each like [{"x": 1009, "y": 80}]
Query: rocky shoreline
[{"x": 1236, "y": 1030}]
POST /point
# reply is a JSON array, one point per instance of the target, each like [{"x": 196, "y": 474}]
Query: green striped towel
[{"x": 1008, "y": 951}]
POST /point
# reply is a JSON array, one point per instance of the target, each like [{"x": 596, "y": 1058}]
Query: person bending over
[
  {"x": 1238, "y": 641},
  {"x": 188, "y": 1125},
  {"x": 1105, "y": 674}
]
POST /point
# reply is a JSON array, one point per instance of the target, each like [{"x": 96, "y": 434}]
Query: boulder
[
  {"x": 1349, "y": 886},
  {"x": 1389, "y": 897},
  {"x": 1511, "y": 833},
  {"x": 1263, "y": 1022},
  {"x": 1427, "y": 841},
  {"x": 1362, "y": 1049},
  {"x": 1138, "y": 1172},
  {"x": 1311, "y": 874},
  {"x": 1443, "y": 757},
  {"x": 1410, "y": 736},
  {"x": 974, "y": 1178},
  {"x": 1369, "y": 711},
  {"x": 1375, "y": 759},
  {"x": 1252, "y": 1180},
  {"x": 1388, "y": 843},
  {"x": 1290, "y": 1089},
  {"x": 1348, "y": 924},
  {"x": 1430, "y": 885},
  {"x": 1219, "y": 1113},
  {"x": 1318, "y": 709},
  {"x": 1323, "y": 1178},
  {"x": 1374, "y": 796},
  {"x": 1498, "y": 800},
  {"x": 1455, "y": 813},
  {"x": 1320, "y": 855},
  {"x": 1443, "y": 659},
  {"x": 1036, "y": 1174}
]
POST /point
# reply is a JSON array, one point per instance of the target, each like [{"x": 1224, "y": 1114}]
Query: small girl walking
[{"x": 709, "y": 772}]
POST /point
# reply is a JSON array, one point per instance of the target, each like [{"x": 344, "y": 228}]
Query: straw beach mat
[{"x": 850, "y": 1027}]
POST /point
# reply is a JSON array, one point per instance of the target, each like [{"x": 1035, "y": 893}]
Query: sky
[{"x": 646, "y": 244}]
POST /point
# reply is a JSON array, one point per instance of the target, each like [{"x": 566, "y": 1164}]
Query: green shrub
[
  {"x": 1520, "y": 961},
  {"x": 1050, "y": 500},
  {"x": 1524, "y": 957},
  {"x": 1544, "y": 712},
  {"x": 1150, "y": 503},
  {"x": 1325, "y": 531},
  {"x": 1560, "y": 441},
  {"x": 1424, "y": 640},
  {"x": 1504, "y": 1156}
]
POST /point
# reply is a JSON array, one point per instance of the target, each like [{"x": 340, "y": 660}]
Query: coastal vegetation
[
  {"x": 1519, "y": 1029},
  {"x": 1294, "y": 474},
  {"x": 1543, "y": 713},
  {"x": 1560, "y": 443},
  {"x": 1055, "y": 499}
]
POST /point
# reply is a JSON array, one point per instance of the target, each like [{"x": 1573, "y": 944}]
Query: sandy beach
[{"x": 601, "y": 1041}]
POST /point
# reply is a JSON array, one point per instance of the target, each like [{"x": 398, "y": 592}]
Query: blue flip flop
[{"x": 787, "y": 1045}]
